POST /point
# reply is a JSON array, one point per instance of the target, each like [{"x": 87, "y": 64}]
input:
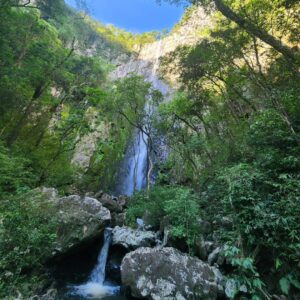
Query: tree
[
  {"x": 136, "y": 101},
  {"x": 291, "y": 54}
]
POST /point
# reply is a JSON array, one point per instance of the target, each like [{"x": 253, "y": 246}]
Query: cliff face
[{"x": 146, "y": 61}]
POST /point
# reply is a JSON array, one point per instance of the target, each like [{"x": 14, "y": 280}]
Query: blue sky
[{"x": 135, "y": 15}]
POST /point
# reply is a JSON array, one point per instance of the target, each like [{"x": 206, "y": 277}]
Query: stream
[
  {"x": 86, "y": 276},
  {"x": 94, "y": 283}
]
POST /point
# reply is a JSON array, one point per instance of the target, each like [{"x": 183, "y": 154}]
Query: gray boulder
[
  {"x": 166, "y": 273},
  {"x": 132, "y": 238},
  {"x": 114, "y": 204},
  {"x": 79, "y": 220}
]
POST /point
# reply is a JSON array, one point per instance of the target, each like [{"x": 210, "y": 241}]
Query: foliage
[
  {"x": 28, "y": 233},
  {"x": 129, "y": 96},
  {"x": 176, "y": 204},
  {"x": 233, "y": 131},
  {"x": 183, "y": 213},
  {"x": 122, "y": 37},
  {"x": 15, "y": 173},
  {"x": 246, "y": 279}
]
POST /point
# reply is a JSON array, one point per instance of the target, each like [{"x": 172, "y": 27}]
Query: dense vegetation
[
  {"x": 127, "y": 39},
  {"x": 232, "y": 131},
  {"x": 52, "y": 96}
]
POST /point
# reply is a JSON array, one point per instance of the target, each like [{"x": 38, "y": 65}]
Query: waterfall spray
[{"x": 95, "y": 287}]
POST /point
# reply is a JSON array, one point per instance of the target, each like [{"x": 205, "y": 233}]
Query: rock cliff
[{"x": 146, "y": 60}]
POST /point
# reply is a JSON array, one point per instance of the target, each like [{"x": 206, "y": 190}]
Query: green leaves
[
  {"x": 28, "y": 232},
  {"x": 177, "y": 204},
  {"x": 246, "y": 279},
  {"x": 15, "y": 173},
  {"x": 284, "y": 285},
  {"x": 287, "y": 282}
]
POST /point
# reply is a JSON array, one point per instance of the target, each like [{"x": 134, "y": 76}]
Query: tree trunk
[{"x": 254, "y": 30}]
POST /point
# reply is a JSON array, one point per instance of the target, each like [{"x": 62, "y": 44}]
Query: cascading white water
[
  {"x": 98, "y": 274},
  {"x": 95, "y": 287},
  {"x": 133, "y": 174},
  {"x": 133, "y": 177}
]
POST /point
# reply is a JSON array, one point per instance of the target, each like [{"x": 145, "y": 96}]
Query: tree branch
[{"x": 263, "y": 35}]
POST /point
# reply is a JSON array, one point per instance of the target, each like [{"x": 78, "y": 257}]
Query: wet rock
[
  {"x": 133, "y": 239},
  {"x": 113, "y": 267},
  {"x": 155, "y": 273}
]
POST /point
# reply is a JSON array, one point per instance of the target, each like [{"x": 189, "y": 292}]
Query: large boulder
[
  {"x": 133, "y": 238},
  {"x": 81, "y": 219},
  {"x": 166, "y": 273}
]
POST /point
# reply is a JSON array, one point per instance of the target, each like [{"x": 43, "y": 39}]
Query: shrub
[
  {"x": 178, "y": 204},
  {"x": 15, "y": 172},
  {"x": 28, "y": 232}
]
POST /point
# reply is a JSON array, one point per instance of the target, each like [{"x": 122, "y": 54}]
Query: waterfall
[
  {"x": 95, "y": 288},
  {"x": 98, "y": 274},
  {"x": 134, "y": 168},
  {"x": 133, "y": 172}
]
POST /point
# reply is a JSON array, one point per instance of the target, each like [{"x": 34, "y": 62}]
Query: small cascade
[
  {"x": 96, "y": 288},
  {"x": 98, "y": 274}
]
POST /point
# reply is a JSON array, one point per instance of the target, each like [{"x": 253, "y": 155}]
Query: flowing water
[
  {"x": 132, "y": 177},
  {"x": 96, "y": 287},
  {"x": 134, "y": 167}
]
